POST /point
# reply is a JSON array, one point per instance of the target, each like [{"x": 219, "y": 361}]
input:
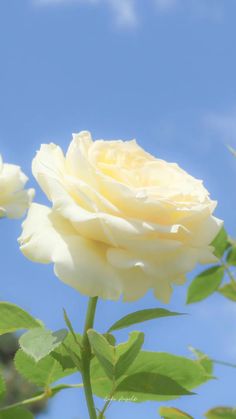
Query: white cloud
[
  {"x": 123, "y": 11},
  {"x": 209, "y": 9},
  {"x": 57, "y": 2},
  {"x": 166, "y": 5},
  {"x": 223, "y": 125}
]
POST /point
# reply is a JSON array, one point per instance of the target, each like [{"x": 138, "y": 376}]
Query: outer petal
[
  {"x": 11, "y": 179},
  {"x": 18, "y": 203},
  {"x": 77, "y": 163},
  {"x": 48, "y": 168},
  {"x": 163, "y": 291},
  {"x": 80, "y": 263},
  {"x": 135, "y": 283},
  {"x": 206, "y": 231},
  {"x": 14, "y": 199}
]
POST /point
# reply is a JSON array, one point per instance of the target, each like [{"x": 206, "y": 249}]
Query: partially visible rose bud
[{"x": 14, "y": 199}]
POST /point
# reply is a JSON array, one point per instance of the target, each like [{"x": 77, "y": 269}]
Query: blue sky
[{"x": 160, "y": 71}]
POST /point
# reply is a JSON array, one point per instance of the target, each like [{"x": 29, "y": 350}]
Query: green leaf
[
  {"x": 228, "y": 291},
  {"x": 127, "y": 352},
  {"x": 75, "y": 358},
  {"x": 39, "y": 342},
  {"x": 151, "y": 384},
  {"x": 203, "y": 359},
  {"x": 231, "y": 257},
  {"x": 186, "y": 372},
  {"x": 173, "y": 413},
  {"x": 70, "y": 327},
  {"x": 51, "y": 368},
  {"x": 104, "y": 352},
  {"x": 220, "y": 243},
  {"x": 141, "y": 316},
  {"x": 42, "y": 373},
  {"x": 13, "y": 318},
  {"x": 205, "y": 284},
  {"x": 16, "y": 413},
  {"x": 68, "y": 354},
  {"x": 64, "y": 360},
  {"x": 110, "y": 338},
  {"x": 221, "y": 413},
  {"x": 115, "y": 360}
]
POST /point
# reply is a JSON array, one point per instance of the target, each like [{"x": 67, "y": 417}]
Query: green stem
[
  {"x": 38, "y": 398},
  {"x": 227, "y": 364},
  {"x": 25, "y": 402},
  {"x": 86, "y": 358},
  {"x": 108, "y": 402},
  {"x": 106, "y": 405}
]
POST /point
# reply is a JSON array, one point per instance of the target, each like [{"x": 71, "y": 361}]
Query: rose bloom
[
  {"x": 121, "y": 220},
  {"x": 14, "y": 199}
]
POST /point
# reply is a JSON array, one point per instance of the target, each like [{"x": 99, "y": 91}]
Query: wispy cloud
[
  {"x": 223, "y": 125},
  {"x": 166, "y": 5},
  {"x": 67, "y": 2},
  {"x": 123, "y": 11},
  {"x": 194, "y": 8}
]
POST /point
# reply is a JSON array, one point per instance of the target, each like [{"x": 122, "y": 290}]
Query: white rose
[
  {"x": 121, "y": 220},
  {"x": 14, "y": 199}
]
